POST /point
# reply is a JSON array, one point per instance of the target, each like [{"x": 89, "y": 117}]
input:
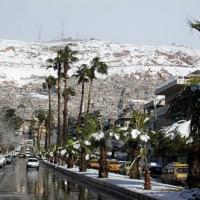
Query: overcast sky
[{"x": 151, "y": 22}]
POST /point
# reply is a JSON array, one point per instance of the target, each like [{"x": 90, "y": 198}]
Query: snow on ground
[
  {"x": 159, "y": 190},
  {"x": 23, "y": 75},
  {"x": 37, "y": 95}
]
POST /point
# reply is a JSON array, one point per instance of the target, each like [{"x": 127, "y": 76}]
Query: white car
[
  {"x": 2, "y": 161},
  {"x": 32, "y": 163}
]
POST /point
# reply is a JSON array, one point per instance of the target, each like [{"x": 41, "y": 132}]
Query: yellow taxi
[
  {"x": 175, "y": 172},
  {"x": 114, "y": 165},
  {"x": 94, "y": 164}
]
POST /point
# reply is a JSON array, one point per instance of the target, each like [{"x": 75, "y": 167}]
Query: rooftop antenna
[
  {"x": 77, "y": 34},
  {"x": 58, "y": 36},
  {"x": 40, "y": 33},
  {"x": 62, "y": 32}
]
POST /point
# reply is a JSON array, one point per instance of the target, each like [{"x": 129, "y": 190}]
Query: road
[{"x": 17, "y": 182}]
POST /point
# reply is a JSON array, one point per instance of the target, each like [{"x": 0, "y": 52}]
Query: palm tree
[
  {"x": 70, "y": 151},
  {"x": 83, "y": 144},
  {"x": 189, "y": 100},
  {"x": 195, "y": 24},
  {"x": 103, "y": 141},
  {"x": 49, "y": 83},
  {"x": 56, "y": 65},
  {"x": 67, "y": 57},
  {"x": 96, "y": 66},
  {"x": 41, "y": 117},
  {"x": 133, "y": 138},
  {"x": 69, "y": 92},
  {"x": 11, "y": 118},
  {"x": 82, "y": 75}
]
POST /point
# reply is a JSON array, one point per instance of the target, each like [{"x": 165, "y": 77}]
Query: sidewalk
[{"x": 120, "y": 185}]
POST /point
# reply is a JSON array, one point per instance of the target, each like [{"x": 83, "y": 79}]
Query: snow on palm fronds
[
  {"x": 181, "y": 128},
  {"x": 87, "y": 143},
  {"x": 63, "y": 152},
  {"x": 139, "y": 121},
  {"x": 144, "y": 137},
  {"x": 115, "y": 135},
  {"x": 98, "y": 136},
  {"x": 51, "y": 153},
  {"x": 135, "y": 133},
  {"x": 76, "y": 145}
]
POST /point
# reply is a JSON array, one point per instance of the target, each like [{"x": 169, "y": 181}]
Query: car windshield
[
  {"x": 182, "y": 170},
  {"x": 32, "y": 160},
  {"x": 114, "y": 162},
  {"x": 93, "y": 161}
]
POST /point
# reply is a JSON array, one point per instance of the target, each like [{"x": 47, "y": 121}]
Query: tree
[
  {"x": 188, "y": 98},
  {"x": 11, "y": 118},
  {"x": 96, "y": 66},
  {"x": 102, "y": 141},
  {"x": 50, "y": 83},
  {"x": 41, "y": 117},
  {"x": 85, "y": 131},
  {"x": 195, "y": 24},
  {"x": 82, "y": 75},
  {"x": 56, "y": 65},
  {"x": 70, "y": 92},
  {"x": 67, "y": 57},
  {"x": 135, "y": 140}
]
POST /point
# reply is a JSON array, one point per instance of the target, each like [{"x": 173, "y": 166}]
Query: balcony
[{"x": 170, "y": 86}]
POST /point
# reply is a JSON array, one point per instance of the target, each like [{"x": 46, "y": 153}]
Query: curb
[{"x": 112, "y": 189}]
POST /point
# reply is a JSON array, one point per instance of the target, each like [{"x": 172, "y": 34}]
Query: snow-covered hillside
[{"x": 24, "y": 62}]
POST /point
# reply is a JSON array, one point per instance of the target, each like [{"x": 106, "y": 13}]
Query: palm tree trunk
[
  {"x": 134, "y": 172},
  {"x": 58, "y": 126},
  {"x": 46, "y": 139},
  {"x": 65, "y": 107},
  {"x": 82, "y": 167},
  {"x": 70, "y": 161},
  {"x": 49, "y": 118},
  {"x": 89, "y": 96},
  {"x": 81, "y": 103},
  {"x": 103, "y": 163}
]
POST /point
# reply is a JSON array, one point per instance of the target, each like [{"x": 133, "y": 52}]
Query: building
[{"x": 159, "y": 107}]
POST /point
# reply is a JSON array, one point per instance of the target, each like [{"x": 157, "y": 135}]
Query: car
[
  {"x": 175, "y": 172},
  {"x": 2, "y": 161},
  {"x": 8, "y": 159},
  {"x": 113, "y": 166},
  {"x": 28, "y": 155},
  {"x": 94, "y": 164},
  {"x": 32, "y": 163},
  {"x": 21, "y": 155},
  {"x": 155, "y": 169}
]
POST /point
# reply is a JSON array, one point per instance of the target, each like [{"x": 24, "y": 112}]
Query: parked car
[
  {"x": 113, "y": 166},
  {"x": 32, "y": 163},
  {"x": 2, "y": 161},
  {"x": 8, "y": 159},
  {"x": 94, "y": 164},
  {"x": 21, "y": 155},
  {"x": 155, "y": 169},
  {"x": 175, "y": 173}
]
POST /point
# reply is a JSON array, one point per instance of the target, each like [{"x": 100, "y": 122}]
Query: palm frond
[{"x": 195, "y": 24}]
